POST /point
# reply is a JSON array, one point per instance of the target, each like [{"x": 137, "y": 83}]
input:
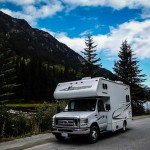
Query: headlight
[
  {"x": 83, "y": 122},
  {"x": 53, "y": 122}
]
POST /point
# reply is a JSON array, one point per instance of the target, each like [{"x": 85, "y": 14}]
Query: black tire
[
  {"x": 94, "y": 134},
  {"x": 124, "y": 128},
  {"x": 59, "y": 137}
]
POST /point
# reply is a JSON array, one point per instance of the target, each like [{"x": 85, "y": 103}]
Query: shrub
[
  {"x": 19, "y": 124},
  {"x": 13, "y": 124},
  {"x": 45, "y": 113},
  {"x": 4, "y": 117}
]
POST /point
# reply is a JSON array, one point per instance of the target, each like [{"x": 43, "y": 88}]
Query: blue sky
[{"x": 109, "y": 21}]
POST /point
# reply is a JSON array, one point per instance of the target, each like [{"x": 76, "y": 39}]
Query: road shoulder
[{"x": 27, "y": 142}]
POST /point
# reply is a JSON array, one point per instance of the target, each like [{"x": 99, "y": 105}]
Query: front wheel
[
  {"x": 124, "y": 128},
  {"x": 59, "y": 137},
  {"x": 94, "y": 134}
]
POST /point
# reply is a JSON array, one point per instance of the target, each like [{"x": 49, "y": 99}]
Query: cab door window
[{"x": 101, "y": 106}]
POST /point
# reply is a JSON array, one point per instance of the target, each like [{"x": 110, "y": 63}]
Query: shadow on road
[{"x": 83, "y": 140}]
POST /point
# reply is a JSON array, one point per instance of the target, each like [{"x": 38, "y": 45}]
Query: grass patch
[{"x": 25, "y": 105}]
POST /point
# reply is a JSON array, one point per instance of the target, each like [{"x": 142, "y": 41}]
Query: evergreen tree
[
  {"x": 7, "y": 71},
  {"x": 127, "y": 70},
  {"x": 90, "y": 62}
]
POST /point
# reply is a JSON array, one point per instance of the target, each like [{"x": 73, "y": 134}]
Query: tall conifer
[
  {"x": 90, "y": 62},
  {"x": 7, "y": 71},
  {"x": 127, "y": 70}
]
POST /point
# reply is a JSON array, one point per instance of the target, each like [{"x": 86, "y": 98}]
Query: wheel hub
[{"x": 94, "y": 134}]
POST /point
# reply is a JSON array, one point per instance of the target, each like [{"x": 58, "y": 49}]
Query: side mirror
[{"x": 107, "y": 107}]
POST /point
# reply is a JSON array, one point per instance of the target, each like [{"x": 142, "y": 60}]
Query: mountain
[
  {"x": 30, "y": 42},
  {"x": 42, "y": 61},
  {"x": 34, "y": 43}
]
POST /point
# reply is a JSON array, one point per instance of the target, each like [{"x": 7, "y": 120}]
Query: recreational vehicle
[{"x": 95, "y": 105}]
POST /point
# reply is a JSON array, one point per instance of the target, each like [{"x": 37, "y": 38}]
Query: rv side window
[
  {"x": 104, "y": 86},
  {"x": 127, "y": 98},
  {"x": 101, "y": 106}
]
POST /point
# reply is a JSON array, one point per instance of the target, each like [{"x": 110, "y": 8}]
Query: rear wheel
[{"x": 94, "y": 134}]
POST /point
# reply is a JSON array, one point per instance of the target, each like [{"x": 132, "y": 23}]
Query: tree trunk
[{"x": 3, "y": 129}]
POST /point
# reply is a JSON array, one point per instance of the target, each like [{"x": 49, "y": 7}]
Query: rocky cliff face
[{"x": 30, "y": 42}]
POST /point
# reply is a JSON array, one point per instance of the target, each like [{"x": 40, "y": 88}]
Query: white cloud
[
  {"x": 136, "y": 33},
  {"x": 85, "y": 33},
  {"x": 97, "y": 26},
  {"x": 19, "y": 2},
  {"x": 76, "y": 44},
  {"x": 44, "y": 10},
  {"x": 50, "y": 32},
  {"x": 116, "y": 4},
  {"x": 145, "y": 13},
  {"x": 31, "y": 12},
  {"x": 90, "y": 18},
  {"x": 20, "y": 15}
]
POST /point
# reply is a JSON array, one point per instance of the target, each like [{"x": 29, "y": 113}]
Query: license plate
[{"x": 64, "y": 134}]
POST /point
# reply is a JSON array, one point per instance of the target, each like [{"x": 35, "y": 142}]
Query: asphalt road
[{"x": 137, "y": 137}]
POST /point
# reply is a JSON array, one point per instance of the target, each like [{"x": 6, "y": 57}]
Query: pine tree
[
  {"x": 7, "y": 71},
  {"x": 90, "y": 62},
  {"x": 127, "y": 70}
]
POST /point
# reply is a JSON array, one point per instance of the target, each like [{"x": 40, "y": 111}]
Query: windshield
[{"x": 81, "y": 105}]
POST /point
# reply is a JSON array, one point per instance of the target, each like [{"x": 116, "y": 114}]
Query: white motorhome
[{"x": 95, "y": 105}]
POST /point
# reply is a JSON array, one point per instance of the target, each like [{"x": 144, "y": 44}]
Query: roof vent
[
  {"x": 86, "y": 78},
  {"x": 119, "y": 82}
]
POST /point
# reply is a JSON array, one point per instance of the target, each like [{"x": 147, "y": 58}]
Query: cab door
[{"x": 102, "y": 116}]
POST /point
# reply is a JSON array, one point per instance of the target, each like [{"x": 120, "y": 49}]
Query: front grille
[{"x": 66, "y": 122}]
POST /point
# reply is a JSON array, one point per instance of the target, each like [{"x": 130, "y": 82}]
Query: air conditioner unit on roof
[{"x": 86, "y": 78}]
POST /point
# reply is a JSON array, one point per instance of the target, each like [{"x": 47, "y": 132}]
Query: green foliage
[
  {"x": 15, "y": 106},
  {"x": 7, "y": 71},
  {"x": 138, "y": 108},
  {"x": 127, "y": 70},
  {"x": 90, "y": 62},
  {"x": 39, "y": 79},
  {"x": 13, "y": 124},
  {"x": 4, "y": 115},
  {"x": 147, "y": 93},
  {"x": 20, "y": 124},
  {"x": 44, "y": 115},
  {"x": 37, "y": 76}
]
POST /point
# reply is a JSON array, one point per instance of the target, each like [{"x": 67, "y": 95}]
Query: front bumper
[{"x": 70, "y": 131}]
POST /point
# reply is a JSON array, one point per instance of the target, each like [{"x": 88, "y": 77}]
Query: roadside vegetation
[{"x": 20, "y": 124}]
